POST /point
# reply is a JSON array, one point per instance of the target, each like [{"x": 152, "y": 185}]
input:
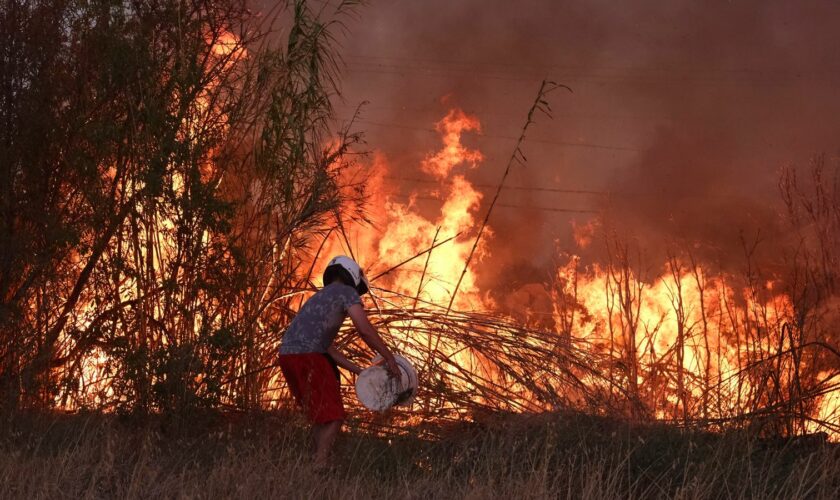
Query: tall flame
[
  {"x": 406, "y": 232},
  {"x": 683, "y": 343}
]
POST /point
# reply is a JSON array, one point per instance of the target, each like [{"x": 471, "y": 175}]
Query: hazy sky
[{"x": 684, "y": 111}]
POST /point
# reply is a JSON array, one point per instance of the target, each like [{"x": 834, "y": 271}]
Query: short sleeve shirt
[{"x": 318, "y": 321}]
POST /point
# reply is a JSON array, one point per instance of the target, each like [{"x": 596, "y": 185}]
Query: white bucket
[{"x": 377, "y": 391}]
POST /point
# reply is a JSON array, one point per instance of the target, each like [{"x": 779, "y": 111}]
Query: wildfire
[
  {"x": 226, "y": 46},
  {"x": 683, "y": 343},
  {"x": 159, "y": 239},
  {"x": 451, "y": 127},
  {"x": 406, "y": 232}
]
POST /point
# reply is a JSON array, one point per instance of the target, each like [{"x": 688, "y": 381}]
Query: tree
[{"x": 164, "y": 168}]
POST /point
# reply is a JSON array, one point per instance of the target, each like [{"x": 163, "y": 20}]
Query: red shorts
[{"x": 313, "y": 383}]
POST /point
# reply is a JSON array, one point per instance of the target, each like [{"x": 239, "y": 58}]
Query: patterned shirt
[{"x": 317, "y": 323}]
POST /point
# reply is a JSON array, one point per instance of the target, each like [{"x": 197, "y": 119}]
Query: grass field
[{"x": 265, "y": 456}]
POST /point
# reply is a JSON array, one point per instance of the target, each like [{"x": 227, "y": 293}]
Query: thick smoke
[{"x": 682, "y": 114}]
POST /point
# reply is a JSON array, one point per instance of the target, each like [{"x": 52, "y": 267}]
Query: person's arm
[
  {"x": 342, "y": 361},
  {"x": 372, "y": 338}
]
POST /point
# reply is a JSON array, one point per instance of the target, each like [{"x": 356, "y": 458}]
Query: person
[{"x": 308, "y": 359}]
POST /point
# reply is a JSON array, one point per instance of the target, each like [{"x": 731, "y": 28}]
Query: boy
[{"x": 308, "y": 360}]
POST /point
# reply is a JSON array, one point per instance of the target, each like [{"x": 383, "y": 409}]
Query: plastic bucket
[{"x": 377, "y": 391}]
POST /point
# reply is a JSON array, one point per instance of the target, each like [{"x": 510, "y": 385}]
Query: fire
[
  {"x": 402, "y": 231},
  {"x": 226, "y": 46},
  {"x": 684, "y": 344},
  {"x": 406, "y": 231},
  {"x": 829, "y": 407},
  {"x": 584, "y": 233},
  {"x": 160, "y": 240},
  {"x": 695, "y": 345},
  {"x": 451, "y": 127}
]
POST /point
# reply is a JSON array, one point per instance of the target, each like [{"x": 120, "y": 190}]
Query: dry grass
[{"x": 572, "y": 456}]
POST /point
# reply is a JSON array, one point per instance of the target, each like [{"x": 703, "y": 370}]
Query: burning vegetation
[{"x": 173, "y": 183}]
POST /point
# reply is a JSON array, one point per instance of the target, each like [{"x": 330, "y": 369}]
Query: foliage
[
  {"x": 169, "y": 174},
  {"x": 159, "y": 161}
]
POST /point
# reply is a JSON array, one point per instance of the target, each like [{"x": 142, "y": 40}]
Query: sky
[{"x": 681, "y": 115}]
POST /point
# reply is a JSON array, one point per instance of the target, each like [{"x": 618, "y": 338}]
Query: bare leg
[{"x": 324, "y": 436}]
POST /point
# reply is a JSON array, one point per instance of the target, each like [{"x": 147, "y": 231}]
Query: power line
[
  {"x": 512, "y": 188},
  {"x": 396, "y": 71},
  {"x": 506, "y": 205},
  {"x": 405, "y": 71},
  {"x": 484, "y": 113},
  {"x": 499, "y": 64},
  {"x": 505, "y": 137},
  {"x": 608, "y": 194},
  {"x": 654, "y": 76}
]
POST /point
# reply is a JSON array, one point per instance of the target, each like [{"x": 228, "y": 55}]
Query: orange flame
[
  {"x": 406, "y": 230},
  {"x": 455, "y": 123}
]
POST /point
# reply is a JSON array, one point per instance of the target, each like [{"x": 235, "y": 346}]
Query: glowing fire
[
  {"x": 682, "y": 342},
  {"x": 405, "y": 232},
  {"x": 451, "y": 127},
  {"x": 160, "y": 241}
]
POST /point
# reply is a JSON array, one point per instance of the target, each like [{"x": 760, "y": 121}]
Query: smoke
[{"x": 682, "y": 114}]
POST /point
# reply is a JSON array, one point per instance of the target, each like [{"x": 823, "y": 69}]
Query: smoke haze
[{"x": 682, "y": 112}]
